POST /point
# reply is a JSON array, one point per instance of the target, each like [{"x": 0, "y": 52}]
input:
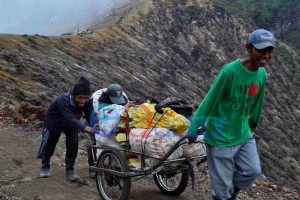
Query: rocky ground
[
  {"x": 155, "y": 49},
  {"x": 19, "y": 174}
]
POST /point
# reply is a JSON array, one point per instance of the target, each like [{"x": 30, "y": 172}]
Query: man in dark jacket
[{"x": 63, "y": 115}]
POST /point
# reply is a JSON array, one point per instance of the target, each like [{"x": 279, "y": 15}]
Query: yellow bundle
[
  {"x": 121, "y": 138},
  {"x": 145, "y": 116}
]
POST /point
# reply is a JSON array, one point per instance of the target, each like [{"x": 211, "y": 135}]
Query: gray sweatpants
[{"x": 229, "y": 167}]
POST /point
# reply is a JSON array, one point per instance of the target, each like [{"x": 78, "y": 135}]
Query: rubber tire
[
  {"x": 180, "y": 188},
  {"x": 127, "y": 181}
]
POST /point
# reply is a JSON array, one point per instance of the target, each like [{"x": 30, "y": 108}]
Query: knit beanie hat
[{"x": 82, "y": 87}]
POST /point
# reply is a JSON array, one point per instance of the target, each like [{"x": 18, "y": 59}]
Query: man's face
[
  {"x": 81, "y": 100},
  {"x": 260, "y": 57}
]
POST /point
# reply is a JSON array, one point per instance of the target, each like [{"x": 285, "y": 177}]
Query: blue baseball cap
[{"x": 261, "y": 39}]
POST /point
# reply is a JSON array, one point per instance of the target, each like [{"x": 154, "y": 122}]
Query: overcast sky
[{"x": 50, "y": 17}]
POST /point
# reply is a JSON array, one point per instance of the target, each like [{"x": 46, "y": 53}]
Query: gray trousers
[{"x": 237, "y": 166}]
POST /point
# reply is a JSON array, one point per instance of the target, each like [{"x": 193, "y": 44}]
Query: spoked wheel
[
  {"x": 111, "y": 186},
  {"x": 173, "y": 183}
]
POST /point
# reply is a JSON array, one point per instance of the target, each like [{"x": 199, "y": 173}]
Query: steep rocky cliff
[{"x": 156, "y": 49}]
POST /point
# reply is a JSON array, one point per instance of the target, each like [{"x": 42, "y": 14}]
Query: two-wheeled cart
[{"x": 114, "y": 174}]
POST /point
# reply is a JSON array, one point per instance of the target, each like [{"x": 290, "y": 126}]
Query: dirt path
[{"x": 19, "y": 175}]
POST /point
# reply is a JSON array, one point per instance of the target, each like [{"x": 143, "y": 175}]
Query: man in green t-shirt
[{"x": 230, "y": 111}]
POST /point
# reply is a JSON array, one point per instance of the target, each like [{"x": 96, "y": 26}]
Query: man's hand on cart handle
[
  {"x": 201, "y": 130},
  {"x": 192, "y": 139},
  {"x": 89, "y": 130}
]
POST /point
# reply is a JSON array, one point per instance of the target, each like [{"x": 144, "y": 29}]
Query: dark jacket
[{"x": 63, "y": 114}]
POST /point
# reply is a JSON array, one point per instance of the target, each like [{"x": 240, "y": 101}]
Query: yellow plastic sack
[
  {"x": 121, "y": 138},
  {"x": 145, "y": 116},
  {"x": 133, "y": 161}
]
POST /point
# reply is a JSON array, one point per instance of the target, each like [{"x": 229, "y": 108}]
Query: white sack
[{"x": 156, "y": 143}]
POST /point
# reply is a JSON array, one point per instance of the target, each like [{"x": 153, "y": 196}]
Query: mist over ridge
[{"x": 51, "y": 17}]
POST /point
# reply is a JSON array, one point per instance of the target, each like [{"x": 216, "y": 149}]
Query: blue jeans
[{"x": 237, "y": 166}]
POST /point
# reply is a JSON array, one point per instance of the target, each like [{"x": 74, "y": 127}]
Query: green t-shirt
[{"x": 232, "y": 106}]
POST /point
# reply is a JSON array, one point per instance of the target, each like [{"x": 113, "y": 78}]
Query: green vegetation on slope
[{"x": 280, "y": 16}]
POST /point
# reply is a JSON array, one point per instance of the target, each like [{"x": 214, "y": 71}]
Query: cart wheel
[
  {"x": 112, "y": 186},
  {"x": 173, "y": 183}
]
